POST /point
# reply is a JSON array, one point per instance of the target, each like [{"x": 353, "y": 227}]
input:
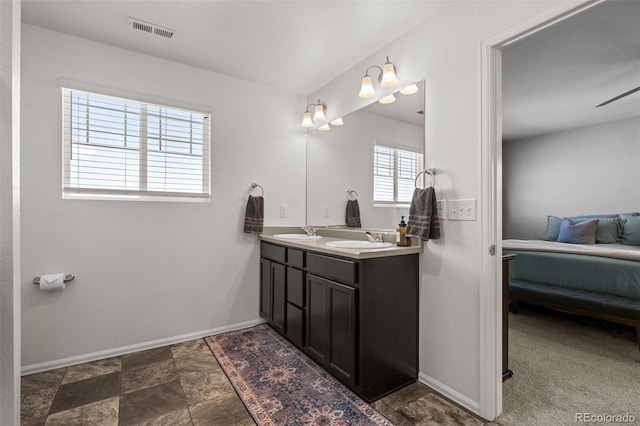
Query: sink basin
[
  {"x": 297, "y": 236},
  {"x": 358, "y": 244}
]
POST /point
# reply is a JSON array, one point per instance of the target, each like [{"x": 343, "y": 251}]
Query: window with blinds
[
  {"x": 394, "y": 172},
  {"x": 116, "y": 147}
]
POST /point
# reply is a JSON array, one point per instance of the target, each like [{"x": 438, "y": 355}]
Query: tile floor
[{"x": 182, "y": 385}]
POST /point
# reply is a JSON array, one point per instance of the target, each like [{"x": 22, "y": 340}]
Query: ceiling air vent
[{"x": 147, "y": 27}]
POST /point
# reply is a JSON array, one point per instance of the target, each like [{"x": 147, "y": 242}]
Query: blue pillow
[
  {"x": 553, "y": 228},
  {"x": 609, "y": 228},
  {"x": 578, "y": 233},
  {"x": 631, "y": 230}
]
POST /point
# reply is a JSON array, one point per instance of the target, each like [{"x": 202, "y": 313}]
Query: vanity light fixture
[
  {"x": 409, "y": 90},
  {"x": 337, "y": 122},
  {"x": 325, "y": 127},
  {"x": 318, "y": 115},
  {"x": 386, "y": 78},
  {"x": 388, "y": 99}
]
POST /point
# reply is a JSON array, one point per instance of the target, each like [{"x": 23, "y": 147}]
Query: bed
[{"x": 599, "y": 279}]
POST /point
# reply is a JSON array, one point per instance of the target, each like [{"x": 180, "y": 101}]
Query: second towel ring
[
  {"x": 352, "y": 193},
  {"x": 431, "y": 172},
  {"x": 254, "y": 186}
]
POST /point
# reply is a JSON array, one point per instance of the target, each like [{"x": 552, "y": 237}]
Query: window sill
[
  {"x": 394, "y": 205},
  {"x": 133, "y": 197}
]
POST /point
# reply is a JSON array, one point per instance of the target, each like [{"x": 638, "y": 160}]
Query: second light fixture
[{"x": 386, "y": 78}]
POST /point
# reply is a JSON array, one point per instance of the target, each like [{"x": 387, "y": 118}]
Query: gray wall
[
  {"x": 147, "y": 273},
  {"x": 589, "y": 170},
  {"x": 9, "y": 213}
]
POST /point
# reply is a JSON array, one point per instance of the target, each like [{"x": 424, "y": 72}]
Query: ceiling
[
  {"x": 553, "y": 80},
  {"x": 295, "y": 46}
]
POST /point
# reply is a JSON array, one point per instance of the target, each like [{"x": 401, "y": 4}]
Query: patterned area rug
[{"x": 282, "y": 386}]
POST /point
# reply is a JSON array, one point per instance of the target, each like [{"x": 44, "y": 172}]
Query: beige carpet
[{"x": 564, "y": 365}]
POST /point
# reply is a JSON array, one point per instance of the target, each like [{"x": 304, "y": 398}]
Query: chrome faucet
[
  {"x": 310, "y": 230},
  {"x": 376, "y": 237}
]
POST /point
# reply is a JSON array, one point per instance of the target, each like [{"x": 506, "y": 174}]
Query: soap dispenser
[{"x": 401, "y": 238}]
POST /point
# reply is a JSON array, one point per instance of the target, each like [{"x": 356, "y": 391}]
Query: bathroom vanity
[{"x": 353, "y": 311}]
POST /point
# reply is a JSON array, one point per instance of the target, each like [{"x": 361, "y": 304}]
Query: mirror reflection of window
[{"x": 394, "y": 171}]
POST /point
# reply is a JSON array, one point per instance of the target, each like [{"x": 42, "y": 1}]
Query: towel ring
[
  {"x": 352, "y": 193},
  {"x": 254, "y": 186},
  {"x": 431, "y": 172}
]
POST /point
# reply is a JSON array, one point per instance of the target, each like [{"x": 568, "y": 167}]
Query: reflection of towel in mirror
[
  {"x": 353, "y": 214},
  {"x": 254, "y": 215},
  {"x": 423, "y": 220}
]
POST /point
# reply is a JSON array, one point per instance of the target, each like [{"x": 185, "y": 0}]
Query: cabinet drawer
[
  {"x": 295, "y": 258},
  {"x": 295, "y": 324},
  {"x": 331, "y": 267},
  {"x": 295, "y": 287},
  {"x": 273, "y": 252}
]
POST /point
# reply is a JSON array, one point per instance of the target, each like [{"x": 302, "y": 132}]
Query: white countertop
[{"x": 332, "y": 234}]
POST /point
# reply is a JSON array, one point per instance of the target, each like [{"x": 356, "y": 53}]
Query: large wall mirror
[{"x": 377, "y": 154}]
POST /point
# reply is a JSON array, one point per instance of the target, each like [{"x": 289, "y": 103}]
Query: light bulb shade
[
  {"x": 306, "y": 120},
  {"x": 366, "y": 90},
  {"x": 389, "y": 78},
  {"x": 388, "y": 99},
  {"x": 409, "y": 90},
  {"x": 337, "y": 122},
  {"x": 319, "y": 114},
  {"x": 325, "y": 127}
]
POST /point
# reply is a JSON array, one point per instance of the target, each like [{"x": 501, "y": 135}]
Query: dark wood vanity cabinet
[{"x": 358, "y": 318}]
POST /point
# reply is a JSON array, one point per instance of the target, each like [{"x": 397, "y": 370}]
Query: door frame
[{"x": 490, "y": 300}]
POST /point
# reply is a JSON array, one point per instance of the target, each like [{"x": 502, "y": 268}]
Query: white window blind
[
  {"x": 394, "y": 172},
  {"x": 119, "y": 147}
]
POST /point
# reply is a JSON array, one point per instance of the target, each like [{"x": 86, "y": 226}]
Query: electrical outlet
[
  {"x": 283, "y": 211},
  {"x": 326, "y": 212},
  {"x": 461, "y": 209}
]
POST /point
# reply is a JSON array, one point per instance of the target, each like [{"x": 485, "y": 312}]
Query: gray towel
[
  {"x": 423, "y": 220},
  {"x": 353, "y": 214},
  {"x": 254, "y": 215}
]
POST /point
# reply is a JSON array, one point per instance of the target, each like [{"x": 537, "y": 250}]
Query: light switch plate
[
  {"x": 461, "y": 209},
  {"x": 326, "y": 212},
  {"x": 283, "y": 210}
]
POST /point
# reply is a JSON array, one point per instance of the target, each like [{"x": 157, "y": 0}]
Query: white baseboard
[
  {"x": 469, "y": 404},
  {"x": 94, "y": 356}
]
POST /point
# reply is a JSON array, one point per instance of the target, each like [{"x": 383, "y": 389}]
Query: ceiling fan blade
[{"x": 619, "y": 97}]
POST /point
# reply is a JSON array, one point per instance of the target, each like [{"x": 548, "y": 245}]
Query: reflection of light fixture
[
  {"x": 325, "y": 127},
  {"x": 388, "y": 99},
  {"x": 409, "y": 90},
  {"x": 337, "y": 122},
  {"x": 386, "y": 78},
  {"x": 318, "y": 115}
]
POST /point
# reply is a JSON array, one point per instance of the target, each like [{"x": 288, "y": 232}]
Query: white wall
[
  {"x": 590, "y": 170},
  {"x": 343, "y": 158},
  {"x": 146, "y": 271},
  {"x": 445, "y": 51},
  {"x": 9, "y": 212}
]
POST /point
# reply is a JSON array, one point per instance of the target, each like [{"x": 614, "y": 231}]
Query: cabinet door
[
  {"x": 278, "y": 274},
  {"x": 331, "y": 326},
  {"x": 342, "y": 331},
  {"x": 317, "y": 318},
  {"x": 265, "y": 289}
]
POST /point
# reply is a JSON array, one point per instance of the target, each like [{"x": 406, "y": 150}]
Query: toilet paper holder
[{"x": 67, "y": 278}]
